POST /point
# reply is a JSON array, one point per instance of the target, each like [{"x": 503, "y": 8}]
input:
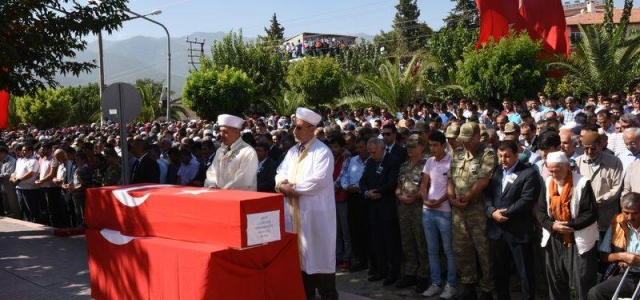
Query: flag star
[{"x": 195, "y": 192}]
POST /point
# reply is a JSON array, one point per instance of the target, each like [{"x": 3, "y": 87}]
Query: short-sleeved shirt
[
  {"x": 633, "y": 243},
  {"x": 467, "y": 168},
  {"x": 410, "y": 177},
  {"x": 438, "y": 171}
]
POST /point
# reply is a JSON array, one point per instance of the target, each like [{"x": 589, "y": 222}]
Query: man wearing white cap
[
  {"x": 569, "y": 217},
  {"x": 235, "y": 164},
  {"x": 304, "y": 177}
]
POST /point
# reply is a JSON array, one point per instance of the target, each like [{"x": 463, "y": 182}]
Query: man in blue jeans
[{"x": 436, "y": 216}]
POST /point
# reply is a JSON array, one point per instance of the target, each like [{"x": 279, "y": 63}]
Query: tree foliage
[
  {"x": 263, "y": 66},
  {"x": 38, "y": 38},
  {"x": 275, "y": 33},
  {"x": 447, "y": 48},
  {"x": 509, "y": 68},
  {"x": 46, "y": 108},
  {"x": 316, "y": 79},
  {"x": 464, "y": 14},
  {"x": 85, "y": 103},
  {"x": 392, "y": 85},
  {"x": 210, "y": 92},
  {"x": 412, "y": 33},
  {"x": 150, "y": 91}
]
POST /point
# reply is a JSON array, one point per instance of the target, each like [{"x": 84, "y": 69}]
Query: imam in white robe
[
  {"x": 234, "y": 169},
  {"x": 314, "y": 183}
]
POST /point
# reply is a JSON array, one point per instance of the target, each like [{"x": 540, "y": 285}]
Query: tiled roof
[{"x": 598, "y": 17}]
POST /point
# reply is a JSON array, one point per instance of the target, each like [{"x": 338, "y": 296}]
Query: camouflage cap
[
  {"x": 511, "y": 127},
  {"x": 421, "y": 126},
  {"x": 452, "y": 131},
  {"x": 414, "y": 140},
  {"x": 468, "y": 131}
]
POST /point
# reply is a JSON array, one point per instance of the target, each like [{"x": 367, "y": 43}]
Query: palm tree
[
  {"x": 151, "y": 109},
  {"x": 606, "y": 60},
  {"x": 392, "y": 85},
  {"x": 285, "y": 104}
]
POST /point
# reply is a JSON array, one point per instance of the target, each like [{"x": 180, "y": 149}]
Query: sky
[{"x": 184, "y": 17}]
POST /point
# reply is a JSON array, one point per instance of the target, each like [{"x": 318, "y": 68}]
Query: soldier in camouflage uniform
[
  {"x": 422, "y": 130},
  {"x": 113, "y": 172},
  {"x": 471, "y": 169},
  {"x": 414, "y": 244},
  {"x": 452, "y": 134}
]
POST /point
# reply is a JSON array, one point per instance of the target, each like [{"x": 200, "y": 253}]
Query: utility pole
[
  {"x": 194, "y": 59},
  {"x": 103, "y": 120}
]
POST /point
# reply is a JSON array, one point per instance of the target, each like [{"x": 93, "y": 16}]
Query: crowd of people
[
  {"x": 540, "y": 188},
  {"x": 318, "y": 46}
]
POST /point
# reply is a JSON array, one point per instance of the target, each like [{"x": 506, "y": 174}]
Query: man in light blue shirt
[
  {"x": 621, "y": 246},
  {"x": 349, "y": 179}
]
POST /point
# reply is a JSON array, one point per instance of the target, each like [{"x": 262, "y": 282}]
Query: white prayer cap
[
  {"x": 197, "y": 139},
  {"x": 230, "y": 121},
  {"x": 569, "y": 126},
  {"x": 557, "y": 157},
  {"x": 308, "y": 116}
]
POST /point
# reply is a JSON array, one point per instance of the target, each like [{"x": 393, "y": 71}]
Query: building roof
[{"x": 597, "y": 17}]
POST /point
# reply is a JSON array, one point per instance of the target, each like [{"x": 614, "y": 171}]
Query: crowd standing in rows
[{"x": 544, "y": 185}]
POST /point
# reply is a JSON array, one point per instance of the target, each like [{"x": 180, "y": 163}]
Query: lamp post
[{"x": 155, "y": 12}]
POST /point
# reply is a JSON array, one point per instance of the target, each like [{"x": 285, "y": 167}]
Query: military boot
[{"x": 468, "y": 293}]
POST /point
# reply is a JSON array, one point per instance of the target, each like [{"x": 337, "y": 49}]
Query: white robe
[
  {"x": 234, "y": 170},
  {"x": 314, "y": 183}
]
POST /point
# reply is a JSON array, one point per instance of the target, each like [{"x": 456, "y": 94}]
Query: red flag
[
  {"x": 4, "y": 109},
  {"x": 545, "y": 21},
  {"x": 497, "y": 17}
]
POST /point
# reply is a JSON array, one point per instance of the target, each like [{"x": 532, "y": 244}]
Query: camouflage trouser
[
  {"x": 468, "y": 239},
  {"x": 414, "y": 244}
]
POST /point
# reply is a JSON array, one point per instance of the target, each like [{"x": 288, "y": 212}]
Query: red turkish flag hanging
[
  {"x": 4, "y": 109},
  {"x": 545, "y": 21}
]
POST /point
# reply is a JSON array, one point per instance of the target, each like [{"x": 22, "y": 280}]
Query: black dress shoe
[
  {"x": 468, "y": 293},
  {"x": 376, "y": 277},
  {"x": 406, "y": 281},
  {"x": 357, "y": 267},
  {"x": 390, "y": 280},
  {"x": 485, "y": 296}
]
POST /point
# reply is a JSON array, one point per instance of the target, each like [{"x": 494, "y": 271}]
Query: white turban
[
  {"x": 308, "y": 116},
  {"x": 230, "y": 121},
  {"x": 557, "y": 157}
]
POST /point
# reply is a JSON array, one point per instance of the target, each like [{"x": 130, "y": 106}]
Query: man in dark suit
[
  {"x": 389, "y": 134},
  {"x": 274, "y": 150},
  {"x": 266, "y": 169},
  {"x": 509, "y": 198},
  {"x": 378, "y": 185},
  {"x": 208, "y": 152},
  {"x": 144, "y": 169}
]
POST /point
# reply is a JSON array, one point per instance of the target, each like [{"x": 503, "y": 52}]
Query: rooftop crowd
[{"x": 543, "y": 184}]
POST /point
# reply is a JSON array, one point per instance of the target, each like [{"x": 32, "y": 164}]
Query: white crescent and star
[
  {"x": 123, "y": 194},
  {"x": 115, "y": 237}
]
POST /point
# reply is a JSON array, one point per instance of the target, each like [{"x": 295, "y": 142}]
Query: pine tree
[
  {"x": 464, "y": 12},
  {"x": 276, "y": 31},
  {"x": 412, "y": 34}
]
